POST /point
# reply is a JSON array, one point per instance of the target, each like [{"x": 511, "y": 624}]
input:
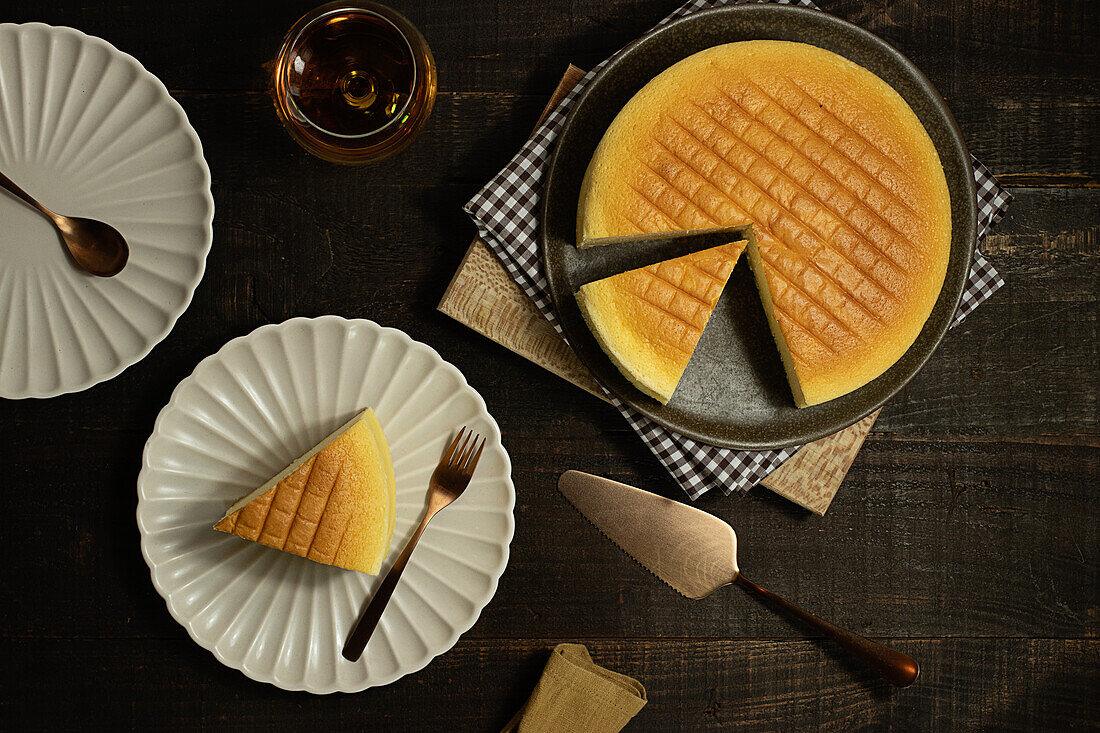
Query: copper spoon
[{"x": 95, "y": 247}]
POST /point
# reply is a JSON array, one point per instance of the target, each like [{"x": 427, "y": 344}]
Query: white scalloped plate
[
  {"x": 246, "y": 412},
  {"x": 89, "y": 132}
]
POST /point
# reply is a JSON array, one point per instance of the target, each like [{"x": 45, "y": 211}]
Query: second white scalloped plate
[
  {"x": 244, "y": 414},
  {"x": 89, "y": 132}
]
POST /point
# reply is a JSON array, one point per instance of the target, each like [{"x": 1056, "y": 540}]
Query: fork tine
[
  {"x": 457, "y": 460},
  {"x": 471, "y": 463},
  {"x": 460, "y": 464},
  {"x": 446, "y": 459}
]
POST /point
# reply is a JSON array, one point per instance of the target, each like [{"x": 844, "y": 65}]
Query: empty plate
[{"x": 86, "y": 130}]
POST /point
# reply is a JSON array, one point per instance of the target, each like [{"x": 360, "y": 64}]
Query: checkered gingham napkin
[{"x": 506, "y": 214}]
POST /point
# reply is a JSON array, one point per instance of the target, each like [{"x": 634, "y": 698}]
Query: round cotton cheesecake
[{"x": 833, "y": 170}]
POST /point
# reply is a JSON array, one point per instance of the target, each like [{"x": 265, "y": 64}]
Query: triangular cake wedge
[
  {"x": 649, "y": 320},
  {"x": 334, "y": 505}
]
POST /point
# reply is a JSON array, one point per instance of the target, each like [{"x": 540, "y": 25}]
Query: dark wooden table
[{"x": 966, "y": 533}]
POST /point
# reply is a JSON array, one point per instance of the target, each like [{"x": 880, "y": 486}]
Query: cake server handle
[{"x": 898, "y": 669}]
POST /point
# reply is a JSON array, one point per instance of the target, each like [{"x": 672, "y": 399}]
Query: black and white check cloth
[{"x": 506, "y": 214}]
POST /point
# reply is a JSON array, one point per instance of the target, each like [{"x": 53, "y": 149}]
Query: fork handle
[{"x": 364, "y": 627}]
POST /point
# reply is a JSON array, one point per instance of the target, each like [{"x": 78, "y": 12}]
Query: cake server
[{"x": 696, "y": 553}]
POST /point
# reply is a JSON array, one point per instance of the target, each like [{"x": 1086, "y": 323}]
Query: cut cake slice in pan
[{"x": 649, "y": 320}]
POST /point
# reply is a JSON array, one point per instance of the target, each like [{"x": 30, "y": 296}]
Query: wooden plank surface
[
  {"x": 966, "y": 532},
  {"x": 692, "y": 685},
  {"x": 481, "y": 295}
]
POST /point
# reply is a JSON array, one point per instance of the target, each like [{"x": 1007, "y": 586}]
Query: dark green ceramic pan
[{"x": 734, "y": 393}]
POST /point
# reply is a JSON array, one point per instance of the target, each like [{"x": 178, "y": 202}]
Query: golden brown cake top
[{"x": 840, "y": 181}]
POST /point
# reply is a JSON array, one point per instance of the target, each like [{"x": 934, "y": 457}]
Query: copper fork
[{"x": 450, "y": 479}]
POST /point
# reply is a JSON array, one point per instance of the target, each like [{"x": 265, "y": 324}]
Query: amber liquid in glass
[{"x": 354, "y": 84}]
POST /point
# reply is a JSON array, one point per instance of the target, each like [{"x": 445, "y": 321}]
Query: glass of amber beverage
[{"x": 354, "y": 82}]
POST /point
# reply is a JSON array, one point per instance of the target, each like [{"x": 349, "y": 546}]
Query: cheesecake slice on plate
[{"x": 334, "y": 505}]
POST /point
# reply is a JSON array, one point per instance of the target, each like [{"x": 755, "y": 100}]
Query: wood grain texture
[
  {"x": 967, "y": 533},
  {"x": 968, "y": 684},
  {"x": 930, "y": 539},
  {"x": 482, "y": 296},
  {"x": 814, "y": 474}
]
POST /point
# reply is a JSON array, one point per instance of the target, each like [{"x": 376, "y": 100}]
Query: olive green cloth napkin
[{"x": 576, "y": 694}]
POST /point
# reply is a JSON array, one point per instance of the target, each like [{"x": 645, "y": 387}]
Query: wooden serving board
[{"x": 482, "y": 296}]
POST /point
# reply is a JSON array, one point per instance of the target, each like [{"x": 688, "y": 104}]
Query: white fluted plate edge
[
  {"x": 243, "y": 414},
  {"x": 87, "y": 130}
]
